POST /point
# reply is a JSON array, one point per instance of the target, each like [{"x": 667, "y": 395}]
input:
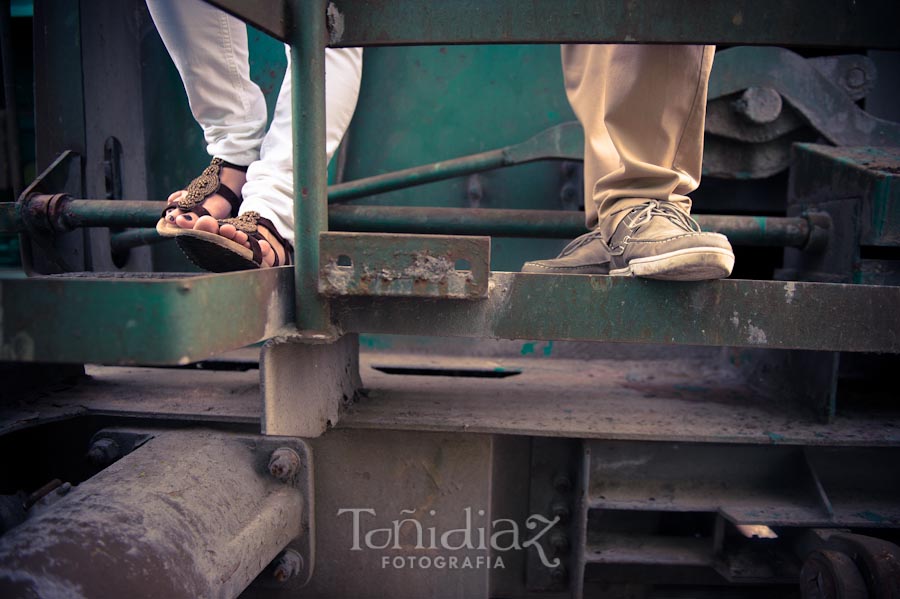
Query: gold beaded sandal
[
  {"x": 204, "y": 186},
  {"x": 211, "y": 251}
]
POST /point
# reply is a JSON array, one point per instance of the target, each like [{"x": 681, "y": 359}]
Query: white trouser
[{"x": 210, "y": 51}]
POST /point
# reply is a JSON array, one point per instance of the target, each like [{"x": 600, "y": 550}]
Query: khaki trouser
[{"x": 643, "y": 109}]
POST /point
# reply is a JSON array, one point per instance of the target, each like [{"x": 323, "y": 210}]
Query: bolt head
[
  {"x": 103, "y": 452},
  {"x": 287, "y": 565},
  {"x": 284, "y": 464}
]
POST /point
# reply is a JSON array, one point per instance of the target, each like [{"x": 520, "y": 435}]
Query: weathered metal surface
[
  {"x": 424, "y": 266},
  {"x": 146, "y": 319},
  {"x": 126, "y": 240},
  {"x": 306, "y": 387},
  {"x": 560, "y": 142},
  {"x": 741, "y": 230},
  {"x": 381, "y": 478},
  {"x": 310, "y": 166},
  {"x": 827, "y": 107},
  {"x": 59, "y": 127},
  {"x": 271, "y": 16},
  {"x": 376, "y": 22},
  {"x": 772, "y": 485},
  {"x": 738, "y": 313},
  {"x": 553, "y": 493},
  {"x": 188, "y": 514},
  {"x": 644, "y": 396},
  {"x": 822, "y": 174}
]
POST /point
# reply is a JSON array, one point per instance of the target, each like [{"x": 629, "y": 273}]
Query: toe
[
  {"x": 268, "y": 254},
  {"x": 186, "y": 220},
  {"x": 208, "y": 224},
  {"x": 227, "y": 231},
  {"x": 241, "y": 238},
  {"x": 175, "y": 196}
]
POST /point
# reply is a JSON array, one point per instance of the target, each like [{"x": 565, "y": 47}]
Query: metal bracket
[
  {"x": 51, "y": 178},
  {"x": 306, "y": 386},
  {"x": 438, "y": 266}
]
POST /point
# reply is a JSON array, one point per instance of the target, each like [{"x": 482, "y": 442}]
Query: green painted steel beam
[
  {"x": 833, "y": 23},
  {"x": 140, "y": 319},
  {"x": 769, "y": 314},
  {"x": 310, "y": 165},
  {"x": 872, "y": 174},
  {"x": 170, "y": 319}
]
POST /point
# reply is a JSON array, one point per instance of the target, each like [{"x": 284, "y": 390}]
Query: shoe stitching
[
  {"x": 668, "y": 239},
  {"x": 539, "y": 265}
]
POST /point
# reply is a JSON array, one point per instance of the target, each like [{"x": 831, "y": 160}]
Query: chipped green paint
[
  {"x": 774, "y": 437},
  {"x": 375, "y": 342},
  {"x": 873, "y": 517},
  {"x": 527, "y": 348},
  {"x": 548, "y": 349}
]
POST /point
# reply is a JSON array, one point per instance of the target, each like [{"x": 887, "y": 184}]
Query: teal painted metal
[
  {"x": 560, "y": 142},
  {"x": 310, "y": 168},
  {"x": 870, "y": 174},
  {"x": 174, "y": 320},
  {"x": 765, "y": 22},
  {"x": 762, "y": 314},
  {"x": 771, "y": 231},
  {"x": 377, "y": 264},
  {"x": 132, "y": 238},
  {"x": 140, "y": 319},
  {"x": 428, "y": 104},
  {"x": 742, "y": 230}
]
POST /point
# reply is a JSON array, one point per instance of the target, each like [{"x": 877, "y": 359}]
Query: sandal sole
[{"x": 209, "y": 251}]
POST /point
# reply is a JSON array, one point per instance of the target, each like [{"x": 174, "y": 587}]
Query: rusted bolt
[
  {"x": 287, "y": 565},
  {"x": 560, "y": 542},
  {"x": 103, "y": 452},
  {"x": 562, "y": 483},
  {"x": 284, "y": 464},
  {"x": 759, "y": 105},
  {"x": 856, "y": 77},
  {"x": 560, "y": 510},
  {"x": 559, "y": 575}
]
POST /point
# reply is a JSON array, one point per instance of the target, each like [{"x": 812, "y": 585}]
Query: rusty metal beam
[{"x": 769, "y": 314}]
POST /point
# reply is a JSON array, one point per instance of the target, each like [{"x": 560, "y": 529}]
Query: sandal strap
[
  {"x": 249, "y": 223},
  {"x": 208, "y": 184}
]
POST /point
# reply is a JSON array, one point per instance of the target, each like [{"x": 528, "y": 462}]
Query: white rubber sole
[{"x": 690, "y": 264}]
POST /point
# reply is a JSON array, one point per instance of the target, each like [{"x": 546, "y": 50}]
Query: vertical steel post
[{"x": 308, "y": 38}]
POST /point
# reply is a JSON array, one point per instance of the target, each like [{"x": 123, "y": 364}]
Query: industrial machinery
[{"x": 404, "y": 414}]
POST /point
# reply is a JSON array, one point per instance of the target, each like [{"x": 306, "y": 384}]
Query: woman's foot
[
  {"x": 269, "y": 246},
  {"x": 216, "y": 204}
]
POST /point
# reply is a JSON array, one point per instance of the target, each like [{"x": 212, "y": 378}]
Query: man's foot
[
  {"x": 659, "y": 240},
  {"x": 586, "y": 255}
]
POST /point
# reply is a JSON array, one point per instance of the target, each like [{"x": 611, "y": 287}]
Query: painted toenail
[{"x": 188, "y": 217}]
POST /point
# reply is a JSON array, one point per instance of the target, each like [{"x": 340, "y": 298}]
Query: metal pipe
[
  {"x": 308, "y": 40},
  {"x": 184, "y": 515},
  {"x": 417, "y": 175},
  {"x": 771, "y": 231},
  {"x": 132, "y": 238},
  {"x": 741, "y": 230}
]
